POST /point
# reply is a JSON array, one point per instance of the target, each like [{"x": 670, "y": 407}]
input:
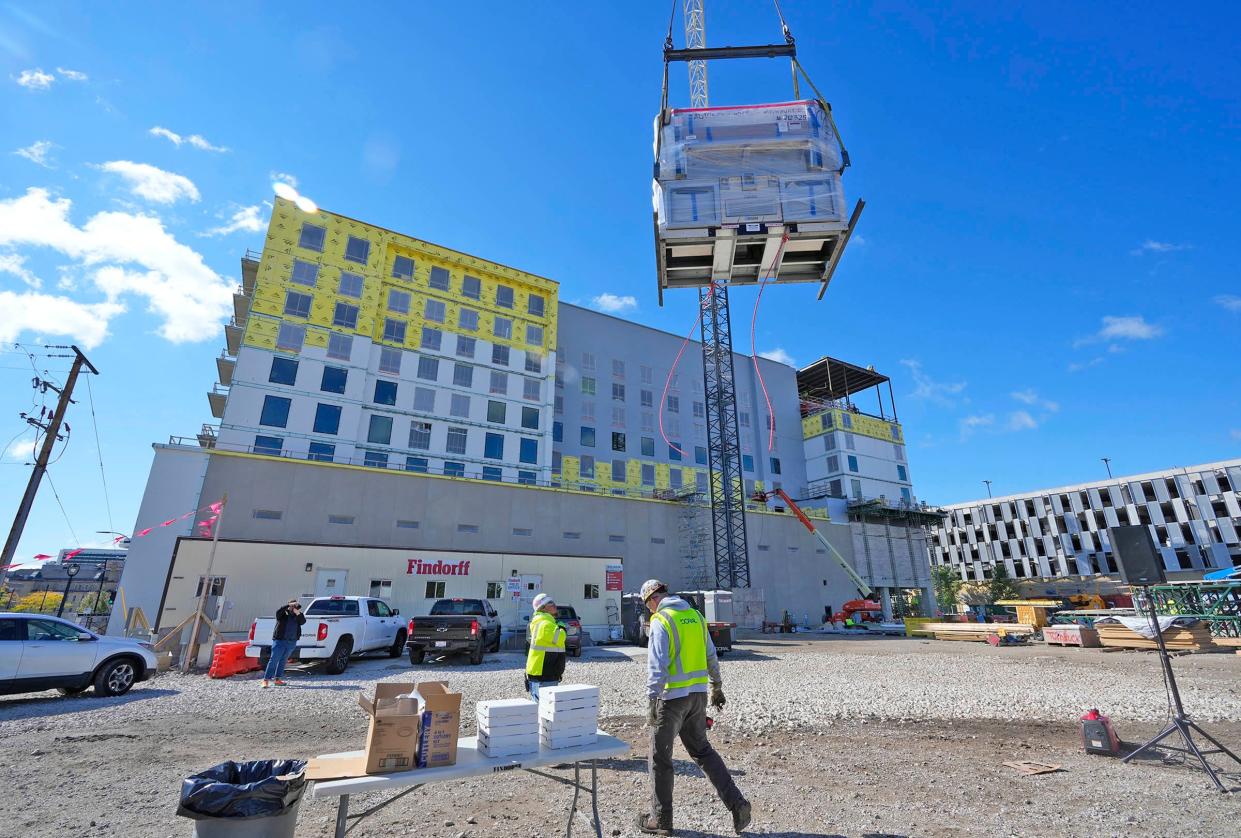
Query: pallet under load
[{"x": 980, "y": 632}]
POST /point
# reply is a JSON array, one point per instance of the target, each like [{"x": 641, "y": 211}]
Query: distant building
[
  {"x": 99, "y": 572},
  {"x": 1194, "y": 515}
]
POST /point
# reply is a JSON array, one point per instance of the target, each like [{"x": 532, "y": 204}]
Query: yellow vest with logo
[
  {"x": 687, "y": 646},
  {"x": 545, "y": 636}
]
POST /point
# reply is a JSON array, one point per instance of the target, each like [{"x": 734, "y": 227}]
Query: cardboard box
[
  {"x": 569, "y": 693},
  {"x": 556, "y": 741},
  {"x": 571, "y": 713},
  {"x": 565, "y": 729},
  {"x": 522, "y": 709},
  {"x": 440, "y": 723},
  {"x": 392, "y": 740}
]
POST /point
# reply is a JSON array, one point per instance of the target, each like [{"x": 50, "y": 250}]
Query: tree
[
  {"x": 95, "y": 602},
  {"x": 947, "y": 586},
  {"x": 1001, "y": 585},
  {"x": 40, "y": 602}
]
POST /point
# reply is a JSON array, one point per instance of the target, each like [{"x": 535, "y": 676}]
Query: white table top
[{"x": 470, "y": 763}]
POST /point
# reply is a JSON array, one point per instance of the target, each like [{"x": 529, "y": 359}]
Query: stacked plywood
[
  {"x": 1192, "y": 638},
  {"x": 973, "y": 631}
]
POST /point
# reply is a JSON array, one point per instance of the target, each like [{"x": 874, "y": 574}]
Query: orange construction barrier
[{"x": 228, "y": 659}]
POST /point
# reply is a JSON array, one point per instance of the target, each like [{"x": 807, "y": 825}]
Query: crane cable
[
  {"x": 99, "y": 451},
  {"x": 771, "y": 416},
  {"x": 672, "y": 370}
]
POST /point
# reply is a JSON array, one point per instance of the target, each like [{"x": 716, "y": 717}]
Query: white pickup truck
[{"x": 336, "y": 628}]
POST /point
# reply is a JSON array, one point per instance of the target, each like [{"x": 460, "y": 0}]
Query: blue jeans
[{"x": 280, "y": 651}]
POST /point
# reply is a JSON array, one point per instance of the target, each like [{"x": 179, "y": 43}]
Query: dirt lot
[{"x": 826, "y": 736}]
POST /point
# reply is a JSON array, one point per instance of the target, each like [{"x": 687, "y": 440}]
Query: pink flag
[
  {"x": 71, "y": 554},
  {"x": 141, "y": 533},
  {"x": 41, "y": 557},
  {"x": 169, "y": 522},
  {"x": 119, "y": 539},
  {"x": 215, "y": 507},
  {"x": 188, "y": 515}
]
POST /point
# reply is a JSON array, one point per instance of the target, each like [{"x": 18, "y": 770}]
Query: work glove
[
  {"x": 717, "y": 696},
  {"x": 652, "y": 711}
]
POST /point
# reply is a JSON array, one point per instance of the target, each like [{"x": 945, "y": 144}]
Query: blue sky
[{"x": 1047, "y": 265}]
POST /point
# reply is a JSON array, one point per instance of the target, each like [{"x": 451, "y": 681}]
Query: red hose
[
  {"x": 771, "y": 422},
  {"x": 672, "y": 370}
]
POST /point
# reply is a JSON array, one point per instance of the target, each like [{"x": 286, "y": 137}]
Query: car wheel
[
  {"x": 577, "y": 652},
  {"x": 116, "y": 677},
  {"x": 339, "y": 661},
  {"x": 397, "y": 645},
  {"x": 417, "y": 656},
  {"x": 476, "y": 656},
  {"x": 70, "y": 690}
]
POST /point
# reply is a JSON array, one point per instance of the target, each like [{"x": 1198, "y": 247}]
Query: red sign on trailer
[{"x": 613, "y": 577}]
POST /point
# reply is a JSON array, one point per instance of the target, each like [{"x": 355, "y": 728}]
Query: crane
[{"x": 763, "y": 497}]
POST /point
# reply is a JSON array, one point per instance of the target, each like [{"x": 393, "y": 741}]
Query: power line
[
  {"x": 56, "y": 495},
  {"x": 99, "y": 451}
]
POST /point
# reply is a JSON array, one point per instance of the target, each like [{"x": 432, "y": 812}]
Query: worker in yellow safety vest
[
  {"x": 680, "y": 664},
  {"x": 546, "y": 637}
]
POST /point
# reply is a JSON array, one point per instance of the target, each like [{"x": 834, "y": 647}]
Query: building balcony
[
  {"x": 225, "y": 366},
  {"x": 233, "y": 333},
  {"x": 249, "y": 272},
  {"x": 208, "y": 435},
  {"x": 217, "y": 398},
  {"x": 241, "y": 305}
]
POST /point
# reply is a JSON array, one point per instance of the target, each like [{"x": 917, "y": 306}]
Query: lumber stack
[
  {"x": 1194, "y": 638},
  {"x": 973, "y": 631}
]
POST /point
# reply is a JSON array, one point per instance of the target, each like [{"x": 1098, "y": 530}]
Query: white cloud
[
  {"x": 72, "y": 75},
  {"x": 37, "y": 153},
  {"x": 15, "y": 264},
  {"x": 613, "y": 304},
  {"x": 129, "y": 254},
  {"x": 283, "y": 177},
  {"x": 35, "y": 79},
  {"x": 1129, "y": 327},
  {"x": 1151, "y": 246},
  {"x": 970, "y": 424},
  {"x": 288, "y": 191},
  {"x": 928, "y": 388},
  {"x": 1032, "y": 398},
  {"x": 198, "y": 141},
  {"x": 245, "y": 219},
  {"x": 1021, "y": 420},
  {"x": 172, "y": 136},
  {"x": 778, "y": 355},
  {"x": 152, "y": 183},
  {"x": 1078, "y": 366},
  {"x": 20, "y": 450},
  {"x": 1229, "y": 302}
]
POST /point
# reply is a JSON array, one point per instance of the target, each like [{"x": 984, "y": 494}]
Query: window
[
  {"x": 572, "y": 535},
  {"x": 618, "y": 470},
  {"x": 385, "y": 392},
  {"x": 833, "y": 463},
  {"x": 339, "y": 346},
  {"x": 380, "y": 430},
  {"x": 673, "y": 426},
  {"x": 558, "y": 404},
  {"x": 472, "y": 287},
  {"x": 829, "y": 442},
  {"x": 557, "y": 431},
  {"x": 590, "y": 592},
  {"x": 701, "y": 481},
  {"x": 899, "y": 451},
  {"x": 289, "y": 337},
  {"x": 588, "y": 386},
  {"x": 418, "y": 464},
  {"x": 435, "y": 590},
  {"x": 648, "y": 474},
  {"x": 432, "y": 338},
  {"x": 528, "y": 451},
  {"x": 435, "y": 310},
  {"x": 375, "y": 459},
  {"x": 535, "y": 305},
  {"x": 835, "y": 490},
  {"x": 340, "y": 519},
  {"x": 439, "y": 278},
  {"x": 459, "y": 405},
  {"x": 465, "y": 346},
  {"x": 322, "y": 452},
  {"x": 357, "y": 250},
  {"x": 345, "y": 316},
  {"x": 856, "y": 487},
  {"x": 846, "y": 420},
  {"x": 674, "y": 405},
  {"x": 467, "y": 318},
  {"x": 452, "y": 469},
  {"x": 674, "y": 452},
  {"x": 463, "y": 375},
  {"x": 424, "y": 399},
  {"x": 646, "y": 373},
  {"x": 327, "y": 419},
  {"x": 403, "y": 267},
  {"x": 334, "y": 380},
  {"x": 676, "y": 478},
  {"x": 496, "y": 412},
  {"x": 534, "y": 335},
  {"x": 648, "y": 446},
  {"x": 268, "y": 445},
  {"x": 312, "y": 237},
  {"x": 699, "y": 410},
  {"x": 398, "y": 301},
  {"x": 534, "y": 362},
  {"x": 905, "y": 495},
  {"x": 775, "y": 465},
  {"x": 700, "y": 455},
  {"x": 394, "y": 330},
  {"x": 493, "y": 446},
  {"x": 455, "y": 444},
  {"x": 390, "y": 360},
  {"x": 428, "y": 368},
  {"x": 587, "y": 437},
  {"x": 587, "y": 466},
  {"x": 658, "y": 540},
  {"x": 350, "y": 285},
  {"x": 420, "y": 436},
  {"x": 618, "y": 441},
  {"x": 380, "y": 588},
  {"x": 588, "y": 411},
  {"x": 283, "y": 371},
  {"x": 557, "y": 461},
  {"x": 297, "y": 305},
  {"x": 618, "y": 392},
  {"x": 532, "y": 389},
  {"x": 648, "y": 421},
  {"x": 747, "y": 462},
  {"x": 499, "y": 383},
  {"x": 406, "y": 525},
  {"x": 852, "y": 463},
  {"x": 527, "y": 478},
  {"x": 503, "y": 329},
  {"x": 495, "y": 590},
  {"x": 744, "y": 419},
  {"x": 647, "y": 398},
  {"x": 275, "y": 411},
  {"x": 588, "y": 361},
  {"x": 849, "y": 442},
  {"x": 305, "y": 273},
  {"x": 499, "y": 355},
  {"x": 901, "y": 473},
  {"x": 530, "y": 418},
  {"x": 504, "y": 296}
]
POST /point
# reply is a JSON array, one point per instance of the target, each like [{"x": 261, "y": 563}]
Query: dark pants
[{"x": 685, "y": 717}]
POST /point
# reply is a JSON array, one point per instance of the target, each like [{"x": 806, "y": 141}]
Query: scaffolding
[
  {"x": 1218, "y": 604},
  {"x": 693, "y": 540}
]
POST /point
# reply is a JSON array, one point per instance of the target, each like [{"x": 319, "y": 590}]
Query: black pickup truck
[{"x": 454, "y": 626}]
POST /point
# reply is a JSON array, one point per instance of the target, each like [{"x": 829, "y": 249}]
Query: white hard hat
[
  {"x": 541, "y": 600},
  {"x": 652, "y": 586}
]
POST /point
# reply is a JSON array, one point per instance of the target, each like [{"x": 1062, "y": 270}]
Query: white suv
[{"x": 38, "y": 652}]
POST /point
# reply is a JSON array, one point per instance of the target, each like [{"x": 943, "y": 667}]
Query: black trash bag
[{"x": 260, "y": 788}]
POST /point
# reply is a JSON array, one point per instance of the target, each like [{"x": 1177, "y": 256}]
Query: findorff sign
[{"x": 417, "y": 567}]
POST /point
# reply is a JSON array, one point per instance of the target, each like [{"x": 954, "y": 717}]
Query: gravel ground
[{"x": 828, "y": 736}]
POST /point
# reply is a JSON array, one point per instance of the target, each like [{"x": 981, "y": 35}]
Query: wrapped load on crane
[{"x": 749, "y": 164}]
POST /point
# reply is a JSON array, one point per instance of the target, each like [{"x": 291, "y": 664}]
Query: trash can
[{"x": 256, "y": 799}]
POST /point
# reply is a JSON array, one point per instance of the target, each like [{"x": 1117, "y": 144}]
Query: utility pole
[
  {"x": 988, "y": 482},
  {"x": 191, "y": 651},
  {"x": 51, "y": 436},
  {"x": 1107, "y": 463}
]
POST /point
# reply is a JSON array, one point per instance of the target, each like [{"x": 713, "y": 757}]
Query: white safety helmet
[
  {"x": 651, "y": 587},
  {"x": 542, "y": 600}
]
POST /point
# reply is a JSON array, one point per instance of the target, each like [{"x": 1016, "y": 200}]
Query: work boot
[
  {"x": 741, "y": 816},
  {"x": 653, "y": 826},
  {"x": 280, "y": 682},
  {"x": 266, "y": 683}
]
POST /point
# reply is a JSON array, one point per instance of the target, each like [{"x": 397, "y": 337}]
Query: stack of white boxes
[
  {"x": 508, "y": 727},
  {"x": 568, "y": 715}
]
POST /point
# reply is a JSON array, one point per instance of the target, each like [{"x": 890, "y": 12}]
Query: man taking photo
[{"x": 289, "y": 621}]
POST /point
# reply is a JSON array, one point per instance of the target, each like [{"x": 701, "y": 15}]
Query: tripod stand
[{"x": 1180, "y": 723}]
